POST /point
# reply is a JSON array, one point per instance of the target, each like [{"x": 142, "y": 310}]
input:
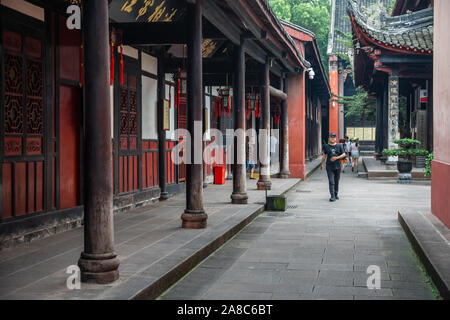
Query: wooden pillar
[
  {"x": 385, "y": 114},
  {"x": 284, "y": 165},
  {"x": 98, "y": 262},
  {"x": 430, "y": 142},
  {"x": 264, "y": 182},
  {"x": 194, "y": 217},
  {"x": 379, "y": 123},
  {"x": 162, "y": 163},
  {"x": 393, "y": 113},
  {"x": 239, "y": 195}
]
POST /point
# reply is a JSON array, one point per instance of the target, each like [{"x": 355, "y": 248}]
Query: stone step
[{"x": 363, "y": 175}]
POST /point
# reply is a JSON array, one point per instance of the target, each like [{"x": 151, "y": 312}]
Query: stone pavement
[
  {"x": 153, "y": 249},
  {"x": 318, "y": 249}
]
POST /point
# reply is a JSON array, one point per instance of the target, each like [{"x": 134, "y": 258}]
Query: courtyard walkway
[{"x": 318, "y": 249}]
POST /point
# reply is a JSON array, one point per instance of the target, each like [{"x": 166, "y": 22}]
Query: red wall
[
  {"x": 296, "y": 115},
  {"x": 334, "y": 84},
  {"x": 440, "y": 180}
]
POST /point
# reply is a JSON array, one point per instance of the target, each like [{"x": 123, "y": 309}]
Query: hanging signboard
[
  {"x": 166, "y": 115},
  {"x": 149, "y": 11},
  {"x": 423, "y": 95}
]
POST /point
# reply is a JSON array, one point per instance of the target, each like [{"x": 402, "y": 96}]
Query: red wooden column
[
  {"x": 98, "y": 262},
  {"x": 334, "y": 106},
  {"x": 440, "y": 188},
  {"x": 284, "y": 165},
  {"x": 297, "y": 125},
  {"x": 264, "y": 182},
  {"x": 194, "y": 217},
  {"x": 239, "y": 195}
]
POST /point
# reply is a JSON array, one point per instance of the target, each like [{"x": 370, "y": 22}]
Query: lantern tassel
[
  {"x": 179, "y": 90},
  {"x": 121, "y": 63},
  {"x": 229, "y": 105}
]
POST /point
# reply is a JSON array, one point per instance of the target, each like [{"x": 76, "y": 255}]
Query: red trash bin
[{"x": 219, "y": 174}]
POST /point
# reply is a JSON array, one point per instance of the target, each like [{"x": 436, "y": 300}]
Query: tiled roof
[
  {"x": 340, "y": 22},
  {"x": 409, "y": 32}
]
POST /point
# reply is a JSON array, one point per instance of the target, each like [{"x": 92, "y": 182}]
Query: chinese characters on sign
[
  {"x": 393, "y": 110},
  {"x": 146, "y": 10}
]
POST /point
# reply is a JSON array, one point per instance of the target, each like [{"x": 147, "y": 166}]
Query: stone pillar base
[
  {"x": 264, "y": 185},
  {"x": 99, "y": 268},
  {"x": 285, "y": 175},
  {"x": 192, "y": 219},
  {"x": 239, "y": 198},
  {"x": 404, "y": 178},
  {"x": 164, "y": 196}
]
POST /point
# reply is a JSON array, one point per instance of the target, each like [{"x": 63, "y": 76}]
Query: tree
[
  {"x": 360, "y": 105},
  {"x": 313, "y": 15}
]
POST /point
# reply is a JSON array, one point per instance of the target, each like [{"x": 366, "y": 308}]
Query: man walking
[{"x": 332, "y": 153}]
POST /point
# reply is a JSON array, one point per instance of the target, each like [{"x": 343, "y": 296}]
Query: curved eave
[{"x": 364, "y": 37}]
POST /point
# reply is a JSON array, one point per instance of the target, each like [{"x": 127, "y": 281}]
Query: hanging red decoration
[
  {"x": 111, "y": 81},
  {"x": 178, "y": 89},
  {"x": 259, "y": 108},
  {"x": 229, "y": 105},
  {"x": 121, "y": 63},
  {"x": 225, "y": 100}
]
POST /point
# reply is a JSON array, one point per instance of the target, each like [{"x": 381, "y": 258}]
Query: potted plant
[
  {"x": 428, "y": 164},
  {"x": 405, "y": 153}
]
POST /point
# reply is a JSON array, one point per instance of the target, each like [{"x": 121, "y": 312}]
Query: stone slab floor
[{"x": 318, "y": 249}]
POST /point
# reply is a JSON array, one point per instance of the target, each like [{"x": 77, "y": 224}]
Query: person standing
[
  {"x": 343, "y": 160},
  {"x": 349, "y": 155},
  {"x": 354, "y": 149},
  {"x": 332, "y": 153}
]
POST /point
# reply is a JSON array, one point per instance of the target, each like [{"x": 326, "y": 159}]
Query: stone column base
[
  {"x": 164, "y": 196},
  {"x": 404, "y": 178},
  {"x": 264, "y": 185},
  {"x": 239, "y": 198},
  {"x": 192, "y": 219},
  {"x": 285, "y": 175},
  {"x": 99, "y": 268}
]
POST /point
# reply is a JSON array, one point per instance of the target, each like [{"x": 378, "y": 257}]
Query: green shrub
[{"x": 428, "y": 164}]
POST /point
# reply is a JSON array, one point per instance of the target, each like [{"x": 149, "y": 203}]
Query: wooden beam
[
  {"x": 278, "y": 93},
  {"x": 215, "y": 15}
]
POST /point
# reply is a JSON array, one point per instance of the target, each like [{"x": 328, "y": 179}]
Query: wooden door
[
  {"x": 69, "y": 135},
  {"x": 129, "y": 133}
]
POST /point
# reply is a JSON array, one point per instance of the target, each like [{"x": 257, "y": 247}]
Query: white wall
[
  {"x": 208, "y": 121},
  {"x": 170, "y": 135},
  {"x": 149, "y": 108}
]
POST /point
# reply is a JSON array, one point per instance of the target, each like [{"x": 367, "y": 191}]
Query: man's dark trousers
[{"x": 333, "y": 180}]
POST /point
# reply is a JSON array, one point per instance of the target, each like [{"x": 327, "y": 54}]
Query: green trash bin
[{"x": 276, "y": 203}]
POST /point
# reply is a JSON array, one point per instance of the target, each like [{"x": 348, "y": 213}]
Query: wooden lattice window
[{"x": 23, "y": 95}]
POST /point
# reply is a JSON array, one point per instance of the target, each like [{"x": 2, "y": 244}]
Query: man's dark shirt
[{"x": 333, "y": 151}]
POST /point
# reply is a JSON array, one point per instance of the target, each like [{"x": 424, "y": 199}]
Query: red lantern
[{"x": 225, "y": 99}]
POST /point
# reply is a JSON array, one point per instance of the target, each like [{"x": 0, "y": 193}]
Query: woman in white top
[{"x": 354, "y": 149}]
